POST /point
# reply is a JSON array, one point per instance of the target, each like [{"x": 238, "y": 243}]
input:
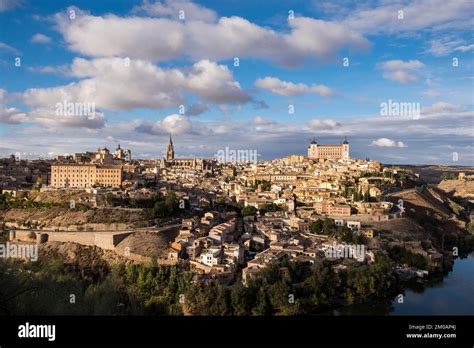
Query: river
[{"x": 447, "y": 294}]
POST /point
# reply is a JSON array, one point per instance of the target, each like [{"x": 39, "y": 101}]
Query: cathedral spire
[{"x": 170, "y": 150}]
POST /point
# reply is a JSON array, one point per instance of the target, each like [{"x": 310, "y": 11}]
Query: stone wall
[
  {"x": 84, "y": 227},
  {"x": 104, "y": 240}
]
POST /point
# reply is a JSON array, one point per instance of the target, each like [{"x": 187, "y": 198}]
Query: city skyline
[{"x": 303, "y": 70}]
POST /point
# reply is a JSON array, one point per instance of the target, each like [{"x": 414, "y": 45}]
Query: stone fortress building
[{"x": 329, "y": 151}]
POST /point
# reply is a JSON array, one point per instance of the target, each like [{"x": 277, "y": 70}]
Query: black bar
[{"x": 309, "y": 330}]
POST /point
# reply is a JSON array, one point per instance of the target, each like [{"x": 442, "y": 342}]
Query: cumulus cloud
[
  {"x": 172, "y": 8},
  {"x": 120, "y": 84},
  {"x": 41, "y": 39},
  {"x": 171, "y": 124},
  {"x": 322, "y": 39},
  {"x": 215, "y": 83},
  {"x": 426, "y": 137},
  {"x": 401, "y": 71},
  {"x": 228, "y": 37},
  {"x": 276, "y": 86},
  {"x": 176, "y": 124},
  {"x": 9, "y": 115},
  {"x": 385, "y": 142},
  {"x": 48, "y": 117},
  {"x": 316, "y": 124}
]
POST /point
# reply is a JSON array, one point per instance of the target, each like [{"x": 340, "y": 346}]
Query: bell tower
[
  {"x": 170, "y": 151},
  {"x": 313, "y": 150},
  {"x": 345, "y": 150}
]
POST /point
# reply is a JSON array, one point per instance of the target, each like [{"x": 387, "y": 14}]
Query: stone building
[
  {"x": 170, "y": 161},
  {"x": 329, "y": 151},
  {"x": 85, "y": 175}
]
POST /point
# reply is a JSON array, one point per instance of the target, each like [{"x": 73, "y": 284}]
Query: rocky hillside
[
  {"x": 459, "y": 188},
  {"x": 442, "y": 219},
  {"x": 59, "y": 196},
  {"x": 51, "y": 218},
  {"x": 426, "y": 200},
  {"x": 147, "y": 243}
]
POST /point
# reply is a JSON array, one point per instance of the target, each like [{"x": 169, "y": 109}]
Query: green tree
[
  {"x": 262, "y": 305},
  {"x": 249, "y": 210},
  {"x": 317, "y": 226}
]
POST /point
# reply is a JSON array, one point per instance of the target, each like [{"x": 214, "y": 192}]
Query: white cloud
[
  {"x": 112, "y": 85},
  {"x": 328, "y": 124},
  {"x": 176, "y": 124},
  {"x": 215, "y": 83},
  {"x": 172, "y": 8},
  {"x": 443, "y": 46},
  {"x": 442, "y": 108},
  {"x": 465, "y": 48},
  {"x": 285, "y": 88},
  {"x": 418, "y": 15},
  {"x": 260, "y": 120},
  {"x": 171, "y": 124},
  {"x": 402, "y": 65},
  {"x": 385, "y": 142},
  {"x": 9, "y": 115},
  {"x": 41, "y": 39},
  {"x": 401, "y": 71},
  {"x": 7, "y": 48},
  {"x": 277, "y": 86},
  {"x": 322, "y": 39},
  {"x": 49, "y": 118},
  {"x": 424, "y": 136},
  {"x": 322, "y": 90},
  {"x": 229, "y": 37}
]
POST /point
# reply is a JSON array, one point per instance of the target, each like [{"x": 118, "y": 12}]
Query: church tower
[
  {"x": 170, "y": 151},
  {"x": 313, "y": 150},
  {"x": 345, "y": 150}
]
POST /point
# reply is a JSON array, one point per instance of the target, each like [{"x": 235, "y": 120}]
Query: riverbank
[{"x": 448, "y": 293}]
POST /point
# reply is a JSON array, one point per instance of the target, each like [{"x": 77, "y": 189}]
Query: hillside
[
  {"x": 426, "y": 199},
  {"x": 459, "y": 188},
  {"x": 59, "y": 196},
  {"x": 432, "y": 173},
  {"x": 147, "y": 243},
  {"x": 50, "y": 218},
  {"x": 441, "y": 218}
]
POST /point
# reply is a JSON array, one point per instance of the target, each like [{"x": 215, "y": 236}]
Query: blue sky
[{"x": 405, "y": 57}]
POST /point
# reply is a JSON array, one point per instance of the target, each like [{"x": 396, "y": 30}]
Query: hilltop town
[{"x": 228, "y": 219}]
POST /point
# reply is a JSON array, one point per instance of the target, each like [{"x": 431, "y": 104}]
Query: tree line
[{"x": 291, "y": 288}]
